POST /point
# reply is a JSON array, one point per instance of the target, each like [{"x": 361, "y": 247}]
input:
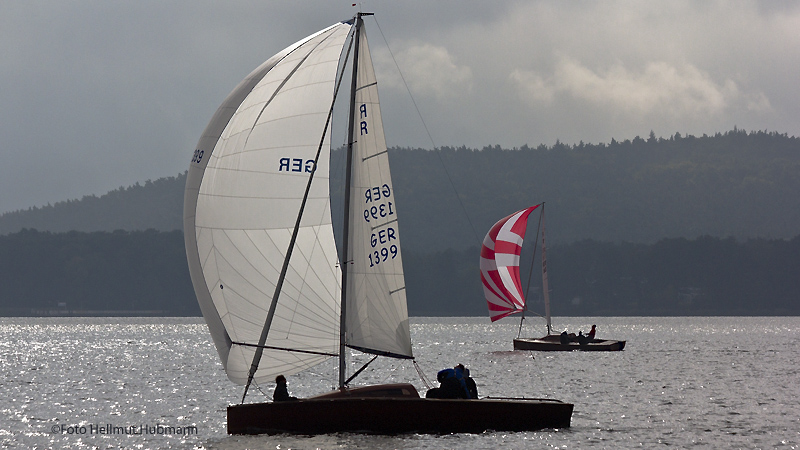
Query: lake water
[{"x": 682, "y": 382}]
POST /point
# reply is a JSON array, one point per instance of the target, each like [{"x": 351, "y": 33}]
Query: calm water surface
[{"x": 700, "y": 382}]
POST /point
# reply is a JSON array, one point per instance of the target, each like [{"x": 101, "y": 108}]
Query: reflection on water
[{"x": 157, "y": 383}]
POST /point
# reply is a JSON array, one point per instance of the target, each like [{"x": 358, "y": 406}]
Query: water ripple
[{"x": 681, "y": 382}]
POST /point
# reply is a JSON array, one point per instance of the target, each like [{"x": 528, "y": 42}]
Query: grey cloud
[{"x": 97, "y": 95}]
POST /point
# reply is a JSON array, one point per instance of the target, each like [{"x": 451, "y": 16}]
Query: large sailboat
[
  {"x": 502, "y": 285},
  {"x": 277, "y": 297}
]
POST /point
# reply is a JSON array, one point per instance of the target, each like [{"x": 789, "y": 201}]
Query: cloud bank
[{"x": 98, "y": 95}]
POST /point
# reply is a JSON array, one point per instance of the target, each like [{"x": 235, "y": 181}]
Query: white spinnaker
[
  {"x": 377, "y": 314},
  {"x": 242, "y": 199}
]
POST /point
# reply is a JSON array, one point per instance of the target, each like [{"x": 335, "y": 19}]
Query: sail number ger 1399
[{"x": 378, "y": 206}]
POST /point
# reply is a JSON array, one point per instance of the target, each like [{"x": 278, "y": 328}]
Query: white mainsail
[
  {"x": 377, "y": 315},
  {"x": 243, "y": 194}
]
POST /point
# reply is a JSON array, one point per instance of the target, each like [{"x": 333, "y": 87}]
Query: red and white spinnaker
[{"x": 500, "y": 264}]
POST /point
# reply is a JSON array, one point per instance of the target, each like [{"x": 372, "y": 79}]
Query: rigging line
[
  {"x": 421, "y": 374},
  {"x": 425, "y": 125},
  {"x": 360, "y": 370},
  {"x": 379, "y": 352},
  {"x": 404, "y": 83},
  {"x": 535, "y": 246},
  {"x": 285, "y": 349},
  {"x": 535, "y": 314},
  {"x": 543, "y": 377},
  {"x": 260, "y": 390}
]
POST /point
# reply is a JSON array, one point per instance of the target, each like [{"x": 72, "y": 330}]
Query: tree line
[
  {"x": 145, "y": 273},
  {"x": 98, "y": 273},
  {"x": 640, "y": 190}
]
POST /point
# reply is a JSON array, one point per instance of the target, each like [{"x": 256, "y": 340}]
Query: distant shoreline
[{"x": 56, "y": 312}]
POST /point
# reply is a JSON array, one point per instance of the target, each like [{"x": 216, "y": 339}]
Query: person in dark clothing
[
  {"x": 564, "y": 338},
  {"x": 281, "y": 393},
  {"x": 592, "y": 332},
  {"x": 449, "y": 386},
  {"x": 472, "y": 388}
]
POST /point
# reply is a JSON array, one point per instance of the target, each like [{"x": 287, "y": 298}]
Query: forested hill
[
  {"x": 144, "y": 273},
  {"x": 733, "y": 184},
  {"x": 155, "y": 205}
]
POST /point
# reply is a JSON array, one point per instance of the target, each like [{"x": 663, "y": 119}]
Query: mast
[
  {"x": 545, "y": 288},
  {"x": 348, "y": 180},
  {"x": 530, "y": 276}
]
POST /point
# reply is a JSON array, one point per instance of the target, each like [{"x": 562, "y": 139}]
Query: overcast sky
[{"x": 96, "y": 95}]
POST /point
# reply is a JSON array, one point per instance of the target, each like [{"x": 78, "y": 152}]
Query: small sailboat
[
  {"x": 277, "y": 297},
  {"x": 502, "y": 286}
]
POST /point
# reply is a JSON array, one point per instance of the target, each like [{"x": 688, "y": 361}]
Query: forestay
[
  {"x": 500, "y": 265},
  {"x": 243, "y": 193}
]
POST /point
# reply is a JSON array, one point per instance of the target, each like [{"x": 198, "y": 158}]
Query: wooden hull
[
  {"x": 335, "y": 413},
  {"x": 552, "y": 344}
]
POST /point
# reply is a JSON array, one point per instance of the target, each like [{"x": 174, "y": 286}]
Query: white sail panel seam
[
  {"x": 283, "y": 83},
  {"x": 299, "y": 249}
]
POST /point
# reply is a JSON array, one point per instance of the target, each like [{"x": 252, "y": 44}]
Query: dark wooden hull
[
  {"x": 552, "y": 343},
  {"x": 397, "y": 415}
]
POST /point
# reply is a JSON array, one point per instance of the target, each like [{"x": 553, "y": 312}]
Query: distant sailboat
[
  {"x": 502, "y": 286},
  {"x": 264, "y": 264}
]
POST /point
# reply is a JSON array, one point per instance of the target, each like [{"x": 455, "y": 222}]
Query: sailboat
[
  {"x": 502, "y": 286},
  {"x": 277, "y": 297}
]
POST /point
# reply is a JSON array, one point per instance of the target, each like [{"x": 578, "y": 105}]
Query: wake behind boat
[
  {"x": 264, "y": 263},
  {"x": 502, "y": 285}
]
